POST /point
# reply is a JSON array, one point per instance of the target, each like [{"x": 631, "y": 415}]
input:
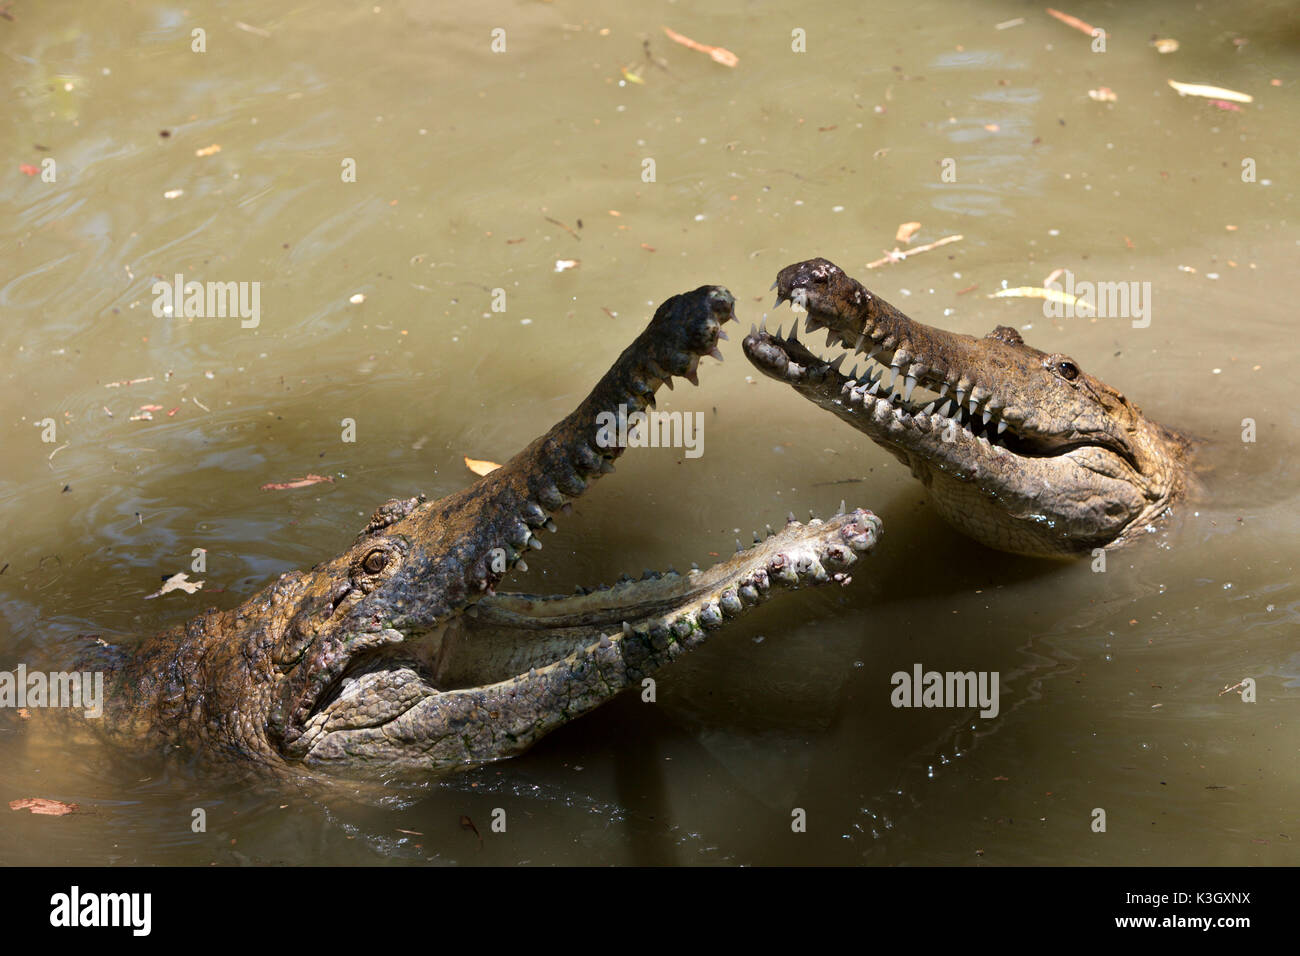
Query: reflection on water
[{"x": 477, "y": 172}]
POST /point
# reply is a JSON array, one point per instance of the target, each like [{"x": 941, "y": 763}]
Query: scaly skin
[
  {"x": 1021, "y": 450},
  {"x": 400, "y": 654}
]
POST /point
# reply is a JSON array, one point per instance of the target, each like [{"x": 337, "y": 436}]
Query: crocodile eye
[
  {"x": 375, "y": 561},
  {"x": 1067, "y": 370}
]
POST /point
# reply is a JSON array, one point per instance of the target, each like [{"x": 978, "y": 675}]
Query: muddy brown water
[{"x": 478, "y": 171}]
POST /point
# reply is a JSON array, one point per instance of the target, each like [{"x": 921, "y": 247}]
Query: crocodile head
[
  {"x": 402, "y": 653},
  {"x": 1020, "y": 449}
]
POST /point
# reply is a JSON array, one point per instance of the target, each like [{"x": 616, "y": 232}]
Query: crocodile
[
  {"x": 401, "y": 654},
  {"x": 1020, "y": 449}
]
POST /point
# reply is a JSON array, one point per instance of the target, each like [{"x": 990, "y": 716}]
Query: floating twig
[{"x": 898, "y": 255}]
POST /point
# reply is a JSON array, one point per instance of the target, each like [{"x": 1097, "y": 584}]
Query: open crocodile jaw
[
  {"x": 400, "y": 653},
  {"x": 1016, "y": 447},
  {"x": 451, "y": 704}
]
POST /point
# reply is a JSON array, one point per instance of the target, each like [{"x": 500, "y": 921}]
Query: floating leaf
[
  {"x": 480, "y": 466},
  {"x": 1035, "y": 292},
  {"x": 1075, "y": 22},
  {"x": 1210, "y": 92},
  {"x": 43, "y": 807},
  {"x": 906, "y": 231},
  {"x": 177, "y": 582},
  {"x": 302, "y": 482},
  {"x": 719, "y": 54}
]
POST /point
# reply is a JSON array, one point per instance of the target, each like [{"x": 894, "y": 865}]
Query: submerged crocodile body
[
  {"x": 1020, "y": 449},
  {"x": 399, "y": 653}
]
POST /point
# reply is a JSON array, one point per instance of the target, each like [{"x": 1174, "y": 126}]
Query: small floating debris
[
  {"x": 719, "y": 54},
  {"x": 1070, "y": 21},
  {"x": 480, "y": 466},
  {"x": 898, "y": 255},
  {"x": 1037, "y": 292},
  {"x": 906, "y": 231},
  {"x": 1210, "y": 92},
  {"x": 129, "y": 381},
  {"x": 43, "y": 806},
  {"x": 302, "y": 482},
  {"x": 177, "y": 582}
]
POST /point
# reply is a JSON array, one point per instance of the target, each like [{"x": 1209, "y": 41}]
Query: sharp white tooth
[
  {"x": 988, "y": 416},
  {"x": 908, "y": 384},
  {"x": 762, "y": 324},
  {"x": 929, "y": 408},
  {"x": 974, "y": 404},
  {"x": 1002, "y": 426},
  {"x": 961, "y": 394},
  {"x": 943, "y": 392},
  {"x": 893, "y": 376}
]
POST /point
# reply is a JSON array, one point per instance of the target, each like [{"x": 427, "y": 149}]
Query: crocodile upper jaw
[{"x": 1016, "y": 447}]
